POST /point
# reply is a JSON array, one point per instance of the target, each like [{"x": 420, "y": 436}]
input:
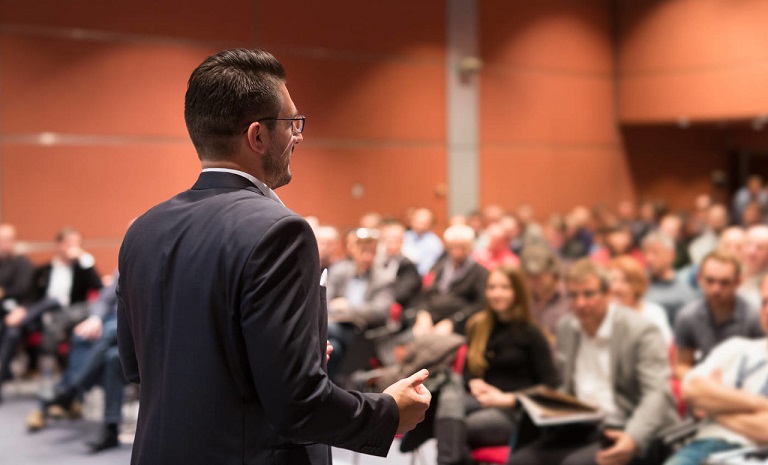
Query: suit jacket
[
  {"x": 377, "y": 300},
  {"x": 639, "y": 369},
  {"x": 222, "y": 321},
  {"x": 406, "y": 280},
  {"x": 84, "y": 280},
  {"x": 464, "y": 297}
]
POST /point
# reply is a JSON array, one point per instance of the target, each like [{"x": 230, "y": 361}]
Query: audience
[
  {"x": 359, "y": 296},
  {"x": 754, "y": 193},
  {"x": 391, "y": 263},
  {"x": 729, "y": 390},
  {"x": 497, "y": 252},
  {"x": 718, "y": 315},
  {"x": 715, "y": 222},
  {"x": 755, "y": 261},
  {"x": 60, "y": 288},
  {"x": 456, "y": 289},
  {"x": 612, "y": 358},
  {"x": 328, "y": 245},
  {"x": 93, "y": 361},
  {"x": 542, "y": 274},
  {"x": 667, "y": 287},
  {"x": 609, "y": 322},
  {"x": 16, "y": 271},
  {"x": 420, "y": 244},
  {"x": 628, "y": 285},
  {"x": 506, "y": 353}
]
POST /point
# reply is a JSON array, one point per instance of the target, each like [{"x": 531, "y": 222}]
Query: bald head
[{"x": 7, "y": 240}]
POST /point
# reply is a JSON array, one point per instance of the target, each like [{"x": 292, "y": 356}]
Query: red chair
[{"x": 491, "y": 455}]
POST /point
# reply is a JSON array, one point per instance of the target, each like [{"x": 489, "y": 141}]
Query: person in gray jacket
[{"x": 614, "y": 359}]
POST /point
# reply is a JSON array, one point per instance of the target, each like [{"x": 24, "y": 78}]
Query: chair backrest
[
  {"x": 497, "y": 454},
  {"x": 460, "y": 360}
]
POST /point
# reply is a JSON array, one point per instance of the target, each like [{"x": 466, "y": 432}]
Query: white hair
[{"x": 459, "y": 233}]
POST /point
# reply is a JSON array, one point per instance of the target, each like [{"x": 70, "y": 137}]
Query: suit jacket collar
[
  {"x": 617, "y": 339},
  {"x": 220, "y": 180}
]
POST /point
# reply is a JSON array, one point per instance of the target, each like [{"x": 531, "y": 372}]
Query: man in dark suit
[
  {"x": 457, "y": 286},
  {"x": 220, "y": 315}
]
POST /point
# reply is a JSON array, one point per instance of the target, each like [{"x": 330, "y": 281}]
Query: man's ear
[{"x": 257, "y": 137}]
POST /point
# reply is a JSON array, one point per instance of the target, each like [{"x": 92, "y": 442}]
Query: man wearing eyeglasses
[
  {"x": 221, "y": 312},
  {"x": 612, "y": 358},
  {"x": 717, "y": 316}
]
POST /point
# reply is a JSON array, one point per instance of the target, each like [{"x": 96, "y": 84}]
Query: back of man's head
[{"x": 228, "y": 91}]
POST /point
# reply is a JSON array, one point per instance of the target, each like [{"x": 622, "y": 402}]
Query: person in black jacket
[
  {"x": 63, "y": 284},
  {"x": 16, "y": 271},
  {"x": 506, "y": 352},
  {"x": 222, "y": 315},
  {"x": 455, "y": 287}
]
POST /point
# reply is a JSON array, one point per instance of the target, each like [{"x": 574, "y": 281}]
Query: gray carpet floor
[{"x": 63, "y": 441}]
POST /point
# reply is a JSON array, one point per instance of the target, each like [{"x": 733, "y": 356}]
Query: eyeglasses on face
[
  {"x": 710, "y": 281},
  {"x": 297, "y": 122},
  {"x": 587, "y": 294}
]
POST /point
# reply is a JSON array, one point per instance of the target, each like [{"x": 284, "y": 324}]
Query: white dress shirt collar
[{"x": 266, "y": 190}]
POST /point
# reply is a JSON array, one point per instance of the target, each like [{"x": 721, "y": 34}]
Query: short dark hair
[
  {"x": 225, "y": 93},
  {"x": 65, "y": 232}
]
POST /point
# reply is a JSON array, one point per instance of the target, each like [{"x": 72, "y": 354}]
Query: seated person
[
  {"x": 420, "y": 244},
  {"x": 497, "y": 252},
  {"x": 720, "y": 314},
  {"x": 16, "y": 271},
  {"x": 359, "y": 296},
  {"x": 618, "y": 241},
  {"x": 542, "y": 273},
  {"x": 628, "y": 285},
  {"x": 93, "y": 360},
  {"x": 506, "y": 353},
  {"x": 62, "y": 284},
  {"x": 391, "y": 262},
  {"x": 456, "y": 289},
  {"x": 612, "y": 358},
  {"x": 730, "y": 389},
  {"x": 667, "y": 287}
]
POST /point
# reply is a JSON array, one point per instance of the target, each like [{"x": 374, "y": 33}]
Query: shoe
[
  {"x": 65, "y": 405},
  {"x": 106, "y": 439},
  {"x": 73, "y": 412},
  {"x": 36, "y": 421}
]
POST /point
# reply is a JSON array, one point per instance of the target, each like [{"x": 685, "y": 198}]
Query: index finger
[{"x": 418, "y": 377}]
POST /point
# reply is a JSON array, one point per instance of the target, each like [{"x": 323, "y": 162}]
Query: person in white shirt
[
  {"x": 729, "y": 389},
  {"x": 614, "y": 359}
]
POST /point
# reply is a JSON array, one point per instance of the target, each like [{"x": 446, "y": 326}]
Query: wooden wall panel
[
  {"x": 547, "y": 107},
  {"x": 553, "y": 180},
  {"x": 694, "y": 59},
  {"x": 393, "y": 179},
  {"x": 187, "y": 19},
  {"x": 94, "y": 88},
  {"x": 548, "y": 34},
  {"x": 675, "y": 164},
  {"x": 548, "y": 133},
  {"x": 385, "y": 101},
  {"x": 403, "y": 30},
  {"x": 95, "y": 188}
]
